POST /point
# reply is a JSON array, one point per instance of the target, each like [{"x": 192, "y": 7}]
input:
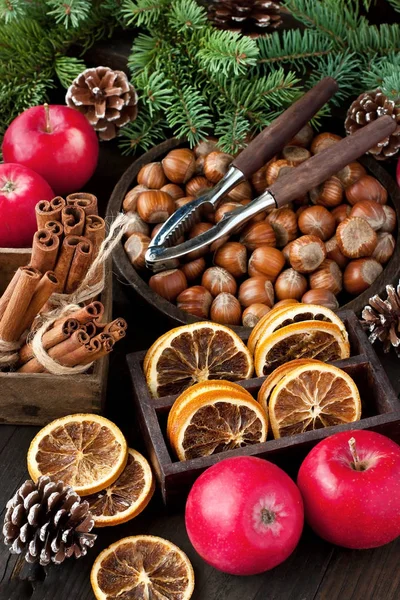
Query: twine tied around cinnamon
[{"x": 64, "y": 304}]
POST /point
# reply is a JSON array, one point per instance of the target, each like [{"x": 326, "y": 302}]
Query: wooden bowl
[{"x": 127, "y": 272}]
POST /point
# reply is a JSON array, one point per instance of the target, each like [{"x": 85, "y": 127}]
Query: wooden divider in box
[
  {"x": 37, "y": 399},
  {"x": 380, "y": 412}
]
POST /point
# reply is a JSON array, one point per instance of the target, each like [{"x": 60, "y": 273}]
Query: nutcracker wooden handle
[
  {"x": 284, "y": 128},
  {"x": 320, "y": 167}
]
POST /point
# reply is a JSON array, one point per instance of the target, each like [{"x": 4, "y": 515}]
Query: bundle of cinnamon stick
[
  {"x": 78, "y": 339},
  {"x": 68, "y": 239}
]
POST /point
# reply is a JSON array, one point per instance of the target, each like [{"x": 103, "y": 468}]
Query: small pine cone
[
  {"x": 382, "y": 319},
  {"x": 48, "y": 521},
  {"x": 368, "y": 107},
  {"x": 250, "y": 17},
  {"x": 106, "y": 98}
]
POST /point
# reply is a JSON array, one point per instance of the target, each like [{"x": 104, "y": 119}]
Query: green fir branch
[
  {"x": 143, "y": 13},
  {"x": 293, "y": 47},
  {"x": 186, "y": 16},
  {"x": 189, "y": 118},
  {"x": 11, "y": 10},
  {"x": 67, "y": 68},
  {"x": 145, "y": 133},
  {"x": 228, "y": 53},
  {"x": 155, "y": 91},
  {"x": 70, "y": 13}
]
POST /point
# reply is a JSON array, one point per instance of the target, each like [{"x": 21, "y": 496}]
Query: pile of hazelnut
[{"x": 336, "y": 237}]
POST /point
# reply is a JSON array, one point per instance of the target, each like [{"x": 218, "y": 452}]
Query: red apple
[
  {"x": 20, "y": 189},
  {"x": 57, "y": 142},
  {"x": 350, "y": 483},
  {"x": 244, "y": 515}
]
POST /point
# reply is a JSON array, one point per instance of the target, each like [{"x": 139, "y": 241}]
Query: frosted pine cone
[
  {"x": 106, "y": 98},
  {"x": 48, "y": 521}
]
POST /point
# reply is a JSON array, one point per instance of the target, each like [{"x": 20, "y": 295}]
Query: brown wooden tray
[
  {"x": 380, "y": 410},
  {"x": 37, "y": 399},
  {"x": 177, "y": 316}
]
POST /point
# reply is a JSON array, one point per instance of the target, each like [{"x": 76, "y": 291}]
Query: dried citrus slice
[
  {"x": 127, "y": 496},
  {"x": 211, "y": 385},
  {"x": 85, "y": 451},
  {"x": 218, "y": 421},
  {"x": 276, "y": 375},
  {"x": 142, "y": 567},
  {"x": 195, "y": 392},
  {"x": 286, "y": 315},
  {"x": 313, "y": 396},
  {"x": 307, "y": 339},
  {"x": 193, "y": 353}
]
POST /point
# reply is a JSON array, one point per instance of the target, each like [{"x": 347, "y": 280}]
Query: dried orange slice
[
  {"x": 276, "y": 375},
  {"x": 142, "y": 567},
  {"x": 85, "y": 451},
  {"x": 217, "y": 421},
  {"x": 211, "y": 385},
  {"x": 308, "y": 339},
  {"x": 286, "y": 315},
  {"x": 127, "y": 496},
  {"x": 313, "y": 396},
  {"x": 193, "y": 353}
]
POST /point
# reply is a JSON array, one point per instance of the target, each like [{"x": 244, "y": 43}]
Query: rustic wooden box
[
  {"x": 36, "y": 399},
  {"x": 380, "y": 412}
]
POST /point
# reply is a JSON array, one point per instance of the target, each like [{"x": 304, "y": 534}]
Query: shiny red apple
[
  {"x": 350, "y": 483},
  {"x": 244, "y": 515},
  {"x": 55, "y": 141},
  {"x": 20, "y": 189}
]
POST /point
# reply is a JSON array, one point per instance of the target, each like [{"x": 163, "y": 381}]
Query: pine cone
[
  {"x": 48, "y": 521},
  {"x": 106, "y": 98},
  {"x": 369, "y": 107},
  {"x": 382, "y": 319},
  {"x": 250, "y": 17}
]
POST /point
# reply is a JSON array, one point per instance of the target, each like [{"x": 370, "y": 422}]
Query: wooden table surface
[{"x": 316, "y": 570}]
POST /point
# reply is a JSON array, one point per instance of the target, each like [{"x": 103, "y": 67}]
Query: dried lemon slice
[
  {"x": 313, "y": 396},
  {"x": 307, "y": 339},
  {"x": 127, "y": 496},
  {"x": 193, "y": 353},
  {"x": 87, "y": 452},
  {"x": 142, "y": 567},
  {"x": 286, "y": 315},
  {"x": 217, "y": 421}
]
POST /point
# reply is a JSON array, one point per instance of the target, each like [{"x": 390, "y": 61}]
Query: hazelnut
[
  {"x": 258, "y": 180},
  {"x": 226, "y": 310},
  {"x": 256, "y": 290},
  {"x": 384, "y": 248},
  {"x": 266, "y": 261},
  {"x": 371, "y": 211},
  {"x": 341, "y": 212},
  {"x": 241, "y": 192},
  {"x": 232, "y": 256},
  {"x": 174, "y": 190},
  {"x": 258, "y": 234},
  {"x": 303, "y": 137},
  {"x": 194, "y": 269},
  {"x": 350, "y": 174},
  {"x": 356, "y": 238},
  {"x": 327, "y": 277},
  {"x": 179, "y": 165},
  {"x": 321, "y": 297},
  {"x": 318, "y": 221},
  {"x": 198, "y": 185},
  {"x": 216, "y": 165},
  {"x": 323, "y": 141},
  {"x": 284, "y": 223},
  {"x": 366, "y": 188},
  {"x": 168, "y": 284},
  {"x": 218, "y": 280},
  {"x": 155, "y": 206},
  {"x": 277, "y": 169},
  {"x": 152, "y": 176},
  {"x": 135, "y": 247},
  {"x": 290, "y": 284},
  {"x": 329, "y": 193},
  {"x": 295, "y": 154},
  {"x": 389, "y": 224},
  {"x": 196, "y": 301},
  {"x": 306, "y": 253},
  {"x": 333, "y": 253},
  {"x": 359, "y": 274},
  {"x": 205, "y": 147},
  {"x": 253, "y": 313},
  {"x": 130, "y": 201}
]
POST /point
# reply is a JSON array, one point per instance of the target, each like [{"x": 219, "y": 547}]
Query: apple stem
[
  {"x": 48, "y": 128},
  {"x": 358, "y": 466}
]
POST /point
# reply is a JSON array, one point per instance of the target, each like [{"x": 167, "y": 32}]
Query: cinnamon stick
[
  {"x": 90, "y": 328},
  {"x": 79, "y": 266},
  {"x": 46, "y": 286},
  {"x": 58, "y": 352},
  {"x": 73, "y": 220},
  {"x": 86, "y": 201},
  {"x": 107, "y": 344},
  {"x": 90, "y": 312},
  {"x": 49, "y": 211},
  {"x": 18, "y": 304},
  {"x": 95, "y": 231},
  {"x": 66, "y": 257},
  {"x": 55, "y": 227},
  {"x": 44, "y": 250},
  {"x": 84, "y": 354},
  {"x": 58, "y": 333},
  {"x": 5, "y": 299},
  {"x": 117, "y": 329}
]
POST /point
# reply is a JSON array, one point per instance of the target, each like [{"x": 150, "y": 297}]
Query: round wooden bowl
[{"x": 127, "y": 272}]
